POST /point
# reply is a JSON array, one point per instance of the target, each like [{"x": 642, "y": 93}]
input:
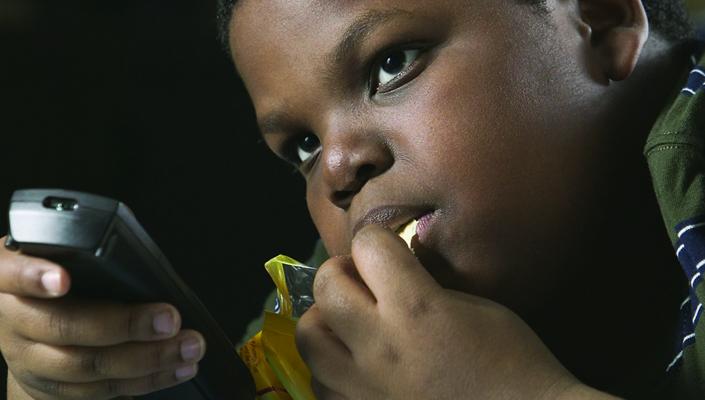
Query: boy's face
[{"x": 484, "y": 122}]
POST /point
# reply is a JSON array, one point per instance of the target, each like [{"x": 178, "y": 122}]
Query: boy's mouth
[
  {"x": 395, "y": 217},
  {"x": 424, "y": 226}
]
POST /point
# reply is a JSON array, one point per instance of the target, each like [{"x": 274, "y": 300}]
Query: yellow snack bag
[
  {"x": 281, "y": 353},
  {"x": 294, "y": 282},
  {"x": 267, "y": 384},
  {"x": 284, "y": 375},
  {"x": 272, "y": 356}
]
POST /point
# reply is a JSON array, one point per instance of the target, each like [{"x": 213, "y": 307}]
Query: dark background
[{"x": 135, "y": 100}]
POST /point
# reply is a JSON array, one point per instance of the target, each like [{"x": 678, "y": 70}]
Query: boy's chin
[
  {"x": 526, "y": 298},
  {"x": 441, "y": 269}
]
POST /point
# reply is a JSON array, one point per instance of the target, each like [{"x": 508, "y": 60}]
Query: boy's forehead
[
  {"x": 312, "y": 9},
  {"x": 293, "y": 53},
  {"x": 307, "y": 35},
  {"x": 293, "y": 23}
]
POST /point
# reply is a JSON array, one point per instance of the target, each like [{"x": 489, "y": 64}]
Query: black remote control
[{"x": 110, "y": 256}]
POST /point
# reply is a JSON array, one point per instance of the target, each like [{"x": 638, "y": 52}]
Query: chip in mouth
[{"x": 408, "y": 231}]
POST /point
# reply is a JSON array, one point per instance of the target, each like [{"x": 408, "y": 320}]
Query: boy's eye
[
  {"x": 393, "y": 67},
  {"x": 306, "y": 146}
]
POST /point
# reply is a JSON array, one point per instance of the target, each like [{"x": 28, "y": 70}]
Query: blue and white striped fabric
[
  {"x": 696, "y": 81},
  {"x": 690, "y": 250}
]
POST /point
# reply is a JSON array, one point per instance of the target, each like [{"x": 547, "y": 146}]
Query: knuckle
[
  {"x": 157, "y": 356},
  {"x": 49, "y": 389},
  {"x": 6, "y": 309},
  {"x": 328, "y": 272},
  {"x": 17, "y": 312},
  {"x": 14, "y": 351},
  {"x": 46, "y": 386},
  {"x": 22, "y": 361},
  {"x": 113, "y": 387},
  {"x": 418, "y": 307},
  {"x": 95, "y": 364},
  {"x": 61, "y": 326},
  {"x": 17, "y": 277},
  {"x": 24, "y": 376},
  {"x": 131, "y": 324},
  {"x": 22, "y": 273}
]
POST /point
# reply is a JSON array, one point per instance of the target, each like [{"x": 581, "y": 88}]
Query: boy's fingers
[
  {"x": 343, "y": 300},
  {"x": 70, "y": 322},
  {"x": 322, "y": 391},
  {"x": 390, "y": 269},
  {"x": 30, "y": 276},
  {"x": 110, "y": 388},
  {"x": 329, "y": 360},
  {"x": 80, "y": 364}
]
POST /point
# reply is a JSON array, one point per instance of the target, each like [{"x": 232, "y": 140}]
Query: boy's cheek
[{"x": 479, "y": 134}]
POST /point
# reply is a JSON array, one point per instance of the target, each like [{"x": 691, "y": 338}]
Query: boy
[{"x": 512, "y": 130}]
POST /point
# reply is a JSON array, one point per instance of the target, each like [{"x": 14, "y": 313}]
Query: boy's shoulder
[{"x": 675, "y": 151}]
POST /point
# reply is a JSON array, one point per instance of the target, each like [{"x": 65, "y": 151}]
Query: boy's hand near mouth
[{"x": 381, "y": 329}]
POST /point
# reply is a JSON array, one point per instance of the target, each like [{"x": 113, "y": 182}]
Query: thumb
[
  {"x": 22, "y": 275},
  {"x": 394, "y": 275}
]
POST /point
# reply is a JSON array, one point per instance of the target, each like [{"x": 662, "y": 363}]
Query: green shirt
[{"x": 675, "y": 151}]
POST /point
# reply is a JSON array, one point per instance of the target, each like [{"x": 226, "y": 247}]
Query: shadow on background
[{"x": 136, "y": 101}]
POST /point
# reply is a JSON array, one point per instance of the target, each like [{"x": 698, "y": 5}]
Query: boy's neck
[
  {"x": 615, "y": 324},
  {"x": 618, "y": 318}
]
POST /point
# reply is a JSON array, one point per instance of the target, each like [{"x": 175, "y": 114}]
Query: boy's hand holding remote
[{"x": 57, "y": 347}]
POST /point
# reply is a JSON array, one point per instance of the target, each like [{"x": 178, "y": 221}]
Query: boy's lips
[
  {"x": 422, "y": 229},
  {"x": 394, "y": 217}
]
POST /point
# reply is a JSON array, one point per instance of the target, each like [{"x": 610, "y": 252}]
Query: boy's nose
[{"x": 350, "y": 161}]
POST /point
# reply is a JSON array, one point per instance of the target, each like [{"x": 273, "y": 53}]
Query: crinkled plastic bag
[
  {"x": 294, "y": 282},
  {"x": 284, "y": 367},
  {"x": 282, "y": 355},
  {"x": 268, "y": 386}
]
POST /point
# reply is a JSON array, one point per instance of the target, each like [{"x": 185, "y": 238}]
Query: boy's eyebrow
[
  {"x": 275, "y": 121},
  {"x": 362, "y": 27},
  {"x": 359, "y": 29}
]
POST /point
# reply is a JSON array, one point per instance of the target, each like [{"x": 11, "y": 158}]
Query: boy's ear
[{"x": 617, "y": 31}]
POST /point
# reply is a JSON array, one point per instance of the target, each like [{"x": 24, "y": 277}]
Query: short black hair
[{"x": 667, "y": 17}]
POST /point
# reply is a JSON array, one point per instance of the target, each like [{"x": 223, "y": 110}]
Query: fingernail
[
  {"x": 190, "y": 349},
  {"x": 164, "y": 323},
  {"x": 51, "y": 280},
  {"x": 186, "y": 372}
]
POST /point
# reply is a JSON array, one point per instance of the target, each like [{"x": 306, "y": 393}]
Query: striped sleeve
[{"x": 675, "y": 152}]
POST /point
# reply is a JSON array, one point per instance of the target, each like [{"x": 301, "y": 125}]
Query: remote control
[{"x": 110, "y": 256}]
